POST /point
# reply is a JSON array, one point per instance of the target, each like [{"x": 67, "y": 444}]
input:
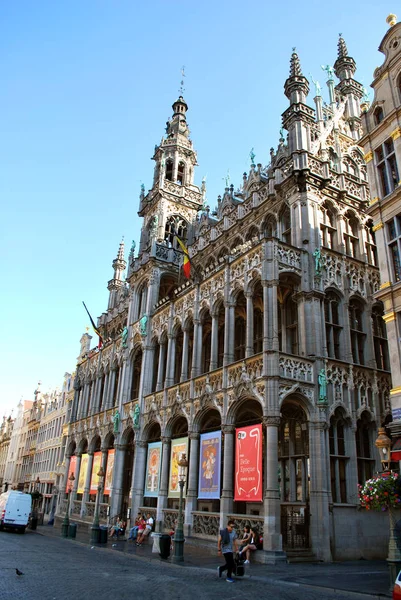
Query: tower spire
[
  {"x": 116, "y": 283},
  {"x": 342, "y": 47},
  {"x": 295, "y": 65}
]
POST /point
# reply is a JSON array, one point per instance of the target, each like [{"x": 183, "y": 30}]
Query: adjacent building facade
[
  {"x": 279, "y": 329},
  {"x": 5, "y": 437},
  {"x": 382, "y": 146}
]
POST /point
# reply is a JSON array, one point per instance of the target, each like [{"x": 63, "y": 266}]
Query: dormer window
[
  {"x": 169, "y": 170},
  {"x": 378, "y": 115},
  {"x": 181, "y": 173}
]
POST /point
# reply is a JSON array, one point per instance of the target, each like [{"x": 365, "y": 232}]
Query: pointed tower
[
  {"x": 117, "y": 282},
  {"x": 298, "y": 117},
  {"x": 172, "y": 203},
  {"x": 349, "y": 89}
]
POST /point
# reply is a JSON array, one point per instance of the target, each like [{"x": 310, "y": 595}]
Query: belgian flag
[
  {"x": 96, "y": 330},
  {"x": 186, "y": 267}
]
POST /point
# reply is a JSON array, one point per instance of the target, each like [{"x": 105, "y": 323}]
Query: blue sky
[{"x": 86, "y": 89}]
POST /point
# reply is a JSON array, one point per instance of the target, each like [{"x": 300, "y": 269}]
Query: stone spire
[
  {"x": 296, "y": 88},
  {"x": 342, "y": 47},
  {"x": 345, "y": 66},
  {"x": 116, "y": 283}
]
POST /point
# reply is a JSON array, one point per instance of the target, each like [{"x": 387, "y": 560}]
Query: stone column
[
  {"x": 191, "y": 502},
  {"x": 160, "y": 374},
  {"x": 184, "y": 362},
  {"x": 272, "y": 540},
  {"x": 110, "y": 392},
  {"x": 85, "y": 495},
  {"x": 170, "y": 360},
  {"x": 103, "y": 399},
  {"x": 228, "y": 333},
  {"x": 65, "y": 477},
  {"x": 194, "y": 370},
  {"x": 227, "y": 494},
  {"x": 249, "y": 324},
  {"x": 163, "y": 492},
  {"x": 200, "y": 349},
  {"x": 138, "y": 477},
  {"x": 214, "y": 341},
  {"x": 319, "y": 493},
  {"x": 116, "y": 490}
]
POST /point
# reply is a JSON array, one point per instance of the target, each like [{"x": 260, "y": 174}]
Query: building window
[
  {"x": 327, "y": 227},
  {"x": 378, "y": 115},
  {"x": 357, "y": 331},
  {"x": 286, "y": 226},
  {"x": 394, "y": 235},
  {"x": 293, "y": 453},
  {"x": 351, "y": 240},
  {"x": 338, "y": 457},
  {"x": 380, "y": 338},
  {"x": 333, "y": 327},
  {"x": 364, "y": 449},
  {"x": 181, "y": 173},
  {"x": 387, "y": 167},
  {"x": 169, "y": 170},
  {"x": 371, "y": 250}
]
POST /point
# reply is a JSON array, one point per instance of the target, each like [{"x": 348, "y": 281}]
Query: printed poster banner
[
  {"x": 209, "y": 465},
  {"x": 97, "y": 461},
  {"x": 72, "y": 468},
  {"x": 108, "y": 480},
  {"x": 82, "y": 473},
  {"x": 178, "y": 447},
  {"x": 153, "y": 469},
  {"x": 248, "y": 464}
]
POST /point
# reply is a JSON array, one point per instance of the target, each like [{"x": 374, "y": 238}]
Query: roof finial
[
  {"x": 120, "y": 255},
  {"x": 295, "y": 65},
  {"x": 342, "y": 47},
  {"x": 391, "y": 20},
  {"x": 182, "y": 89}
]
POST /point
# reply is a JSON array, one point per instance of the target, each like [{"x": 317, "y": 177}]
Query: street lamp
[
  {"x": 95, "y": 529},
  {"x": 383, "y": 444},
  {"x": 179, "y": 534},
  {"x": 66, "y": 521}
]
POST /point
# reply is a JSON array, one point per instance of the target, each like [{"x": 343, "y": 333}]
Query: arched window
[
  {"x": 169, "y": 169},
  {"x": 378, "y": 115},
  {"x": 327, "y": 226},
  {"x": 175, "y": 226},
  {"x": 380, "y": 338},
  {"x": 357, "y": 331},
  {"x": 339, "y": 457},
  {"x": 351, "y": 240},
  {"x": 285, "y": 222},
  {"x": 270, "y": 227},
  {"x": 288, "y": 324},
  {"x": 136, "y": 375},
  {"x": 333, "y": 326},
  {"x": 240, "y": 327},
  {"x": 181, "y": 173},
  {"x": 206, "y": 342},
  {"x": 293, "y": 451},
  {"x": 179, "y": 341},
  {"x": 363, "y": 438},
  {"x": 371, "y": 250}
]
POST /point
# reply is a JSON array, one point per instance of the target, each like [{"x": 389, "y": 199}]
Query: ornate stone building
[
  {"x": 5, "y": 437},
  {"x": 13, "y": 474},
  {"x": 276, "y": 327},
  {"x": 382, "y": 145}
]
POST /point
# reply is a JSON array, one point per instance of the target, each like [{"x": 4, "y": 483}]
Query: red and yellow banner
[
  {"x": 178, "y": 448},
  {"x": 248, "y": 464},
  {"x": 97, "y": 461},
  {"x": 71, "y": 469},
  {"x": 108, "y": 480}
]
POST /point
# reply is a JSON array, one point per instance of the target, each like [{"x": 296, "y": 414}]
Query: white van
[{"x": 15, "y": 508}]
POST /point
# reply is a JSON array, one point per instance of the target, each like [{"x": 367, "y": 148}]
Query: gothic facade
[{"x": 276, "y": 326}]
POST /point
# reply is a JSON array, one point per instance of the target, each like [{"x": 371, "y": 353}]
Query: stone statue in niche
[
  {"x": 318, "y": 262},
  {"x": 124, "y": 337},
  {"x": 322, "y": 385},
  {"x": 116, "y": 421}
]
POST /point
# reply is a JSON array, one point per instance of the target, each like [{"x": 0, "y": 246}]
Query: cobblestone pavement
[{"x": 58, "y": 569}]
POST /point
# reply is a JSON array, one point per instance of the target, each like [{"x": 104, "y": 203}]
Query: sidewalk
[{"x": 369, "y": 578}]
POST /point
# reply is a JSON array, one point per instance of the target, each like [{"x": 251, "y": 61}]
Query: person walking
[{"x": 226, "y": 545}]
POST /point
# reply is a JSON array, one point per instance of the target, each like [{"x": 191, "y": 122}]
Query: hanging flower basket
[{"x": 382, "y": 492}]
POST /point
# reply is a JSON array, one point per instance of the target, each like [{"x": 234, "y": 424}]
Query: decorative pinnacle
[
  {"x": 295, "y": 65},
  {"x": 342, "y": 47},
  {"x": 182, "y": 89},
  {"x": 120, "y": 255}
]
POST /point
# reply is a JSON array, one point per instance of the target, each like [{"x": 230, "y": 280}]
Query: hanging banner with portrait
[
  {"x": 71, "y": 469},
  {"x": 153, "y": 469},
  {"x": 209, "y": 465},
  {"x": 97, "y": 461},
  {"x": 108, "y": 480},
  {"x": 248, "y": 464},
  {"x": 82, "y": 473},
  {"x": 178, "y": 447}
]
